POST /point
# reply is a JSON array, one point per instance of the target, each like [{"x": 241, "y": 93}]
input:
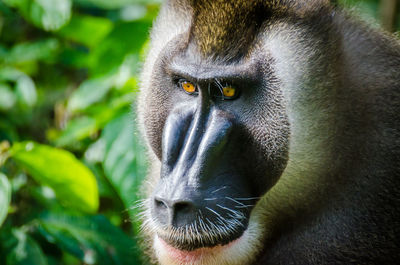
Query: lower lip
[{"x": 184, "y": 256}]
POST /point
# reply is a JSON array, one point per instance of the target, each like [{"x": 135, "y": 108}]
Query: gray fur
[{"x": 329, "y": 108}]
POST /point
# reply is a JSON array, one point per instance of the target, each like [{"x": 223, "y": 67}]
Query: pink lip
[{"x": 184, "y": 256}]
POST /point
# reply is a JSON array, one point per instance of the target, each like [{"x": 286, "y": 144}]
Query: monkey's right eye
[{"x": 188, "y": 87}]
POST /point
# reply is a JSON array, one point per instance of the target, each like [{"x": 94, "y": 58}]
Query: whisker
[
  {"x": 224, "y": 187},
  {"x": 244, "y": 206},
  {"x": 236, "y": 213},
  {"x": 151, "y": 184},
  {"x": 211, "y": 210},
  {"x": 229, "y": 198},
  {"x": 247, "y": 199}
]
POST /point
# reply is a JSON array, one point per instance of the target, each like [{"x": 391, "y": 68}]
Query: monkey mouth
[
  {"x": 195, "y": 244},
  {"x": 186, "y": 256},
  {"x": 189, "y": 241}
]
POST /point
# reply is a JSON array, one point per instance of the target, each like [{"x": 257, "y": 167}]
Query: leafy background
[{"x": 71, "y": 159}]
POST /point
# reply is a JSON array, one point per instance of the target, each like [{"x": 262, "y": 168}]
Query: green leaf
[
  {"x": 17, "y": 3},
  {"x": 89, "y": 92},
  {"x": 24, "y": 85},
  {"x": 26, "y": 251},
  {"x": 10, "y": 74},
  {"x": 76, "y": 130},
  {"x": 114, "y": 4},
  {"x": 26, "y": 91},
  {"x": 125, "y": 38},
  {"x": 87, "y": 30},
  {"x": 124, "y": 161},
  {"x": 84, "y": 126},
  {"x": 93, "y": 239},
  {"x": 94, "y": 90},
  {"x": 49, "y": 15},
  {"x": 7, "y": 97},
  {"x": 5, "y": 197},
  {"x": 33, "y": 51},
  {"x": 73, "y": 183},
  {"x": 133, "y": 12}
]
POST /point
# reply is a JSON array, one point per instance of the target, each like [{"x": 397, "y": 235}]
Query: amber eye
[
  {"x": 189, "y": 88},
  {"x": 229, "y": 92}
]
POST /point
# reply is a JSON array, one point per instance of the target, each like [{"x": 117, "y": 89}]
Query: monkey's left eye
[
  {"x": 229, "y": 92},
  {"x": 187, "y": 86}
]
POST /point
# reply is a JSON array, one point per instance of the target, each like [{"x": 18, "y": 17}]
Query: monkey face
[
  {"x": 221, "y": 134},
  {"x": 218, "y": 127}
]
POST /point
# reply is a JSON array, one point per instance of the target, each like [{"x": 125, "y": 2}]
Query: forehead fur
[{"x": 227, "y": 28}]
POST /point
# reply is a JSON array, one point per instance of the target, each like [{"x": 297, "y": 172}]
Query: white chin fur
[{"x": 242, "y": 251}]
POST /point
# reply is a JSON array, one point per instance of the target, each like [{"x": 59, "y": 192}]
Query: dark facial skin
[{"x": 217, "y": 157}]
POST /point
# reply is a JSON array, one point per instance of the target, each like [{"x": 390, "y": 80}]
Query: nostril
[
  {"x": 177, "y": 213},
  {"x": 183, "y": 213},
  {"x": 159, "y": 203},
  {"x": 182, "y": 207}
]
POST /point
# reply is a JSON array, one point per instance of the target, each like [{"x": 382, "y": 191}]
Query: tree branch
[{"x": 387, "y": 10}]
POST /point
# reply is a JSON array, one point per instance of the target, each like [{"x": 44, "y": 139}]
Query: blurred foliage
[
  {"x": 375, "y": 12},
  {"x": 70, "y": 157}
]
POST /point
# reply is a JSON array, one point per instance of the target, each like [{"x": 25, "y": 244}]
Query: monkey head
[{"x": 238, "y": 108}]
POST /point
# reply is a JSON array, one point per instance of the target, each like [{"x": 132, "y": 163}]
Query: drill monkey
[{"x": 274, "y": 135}]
